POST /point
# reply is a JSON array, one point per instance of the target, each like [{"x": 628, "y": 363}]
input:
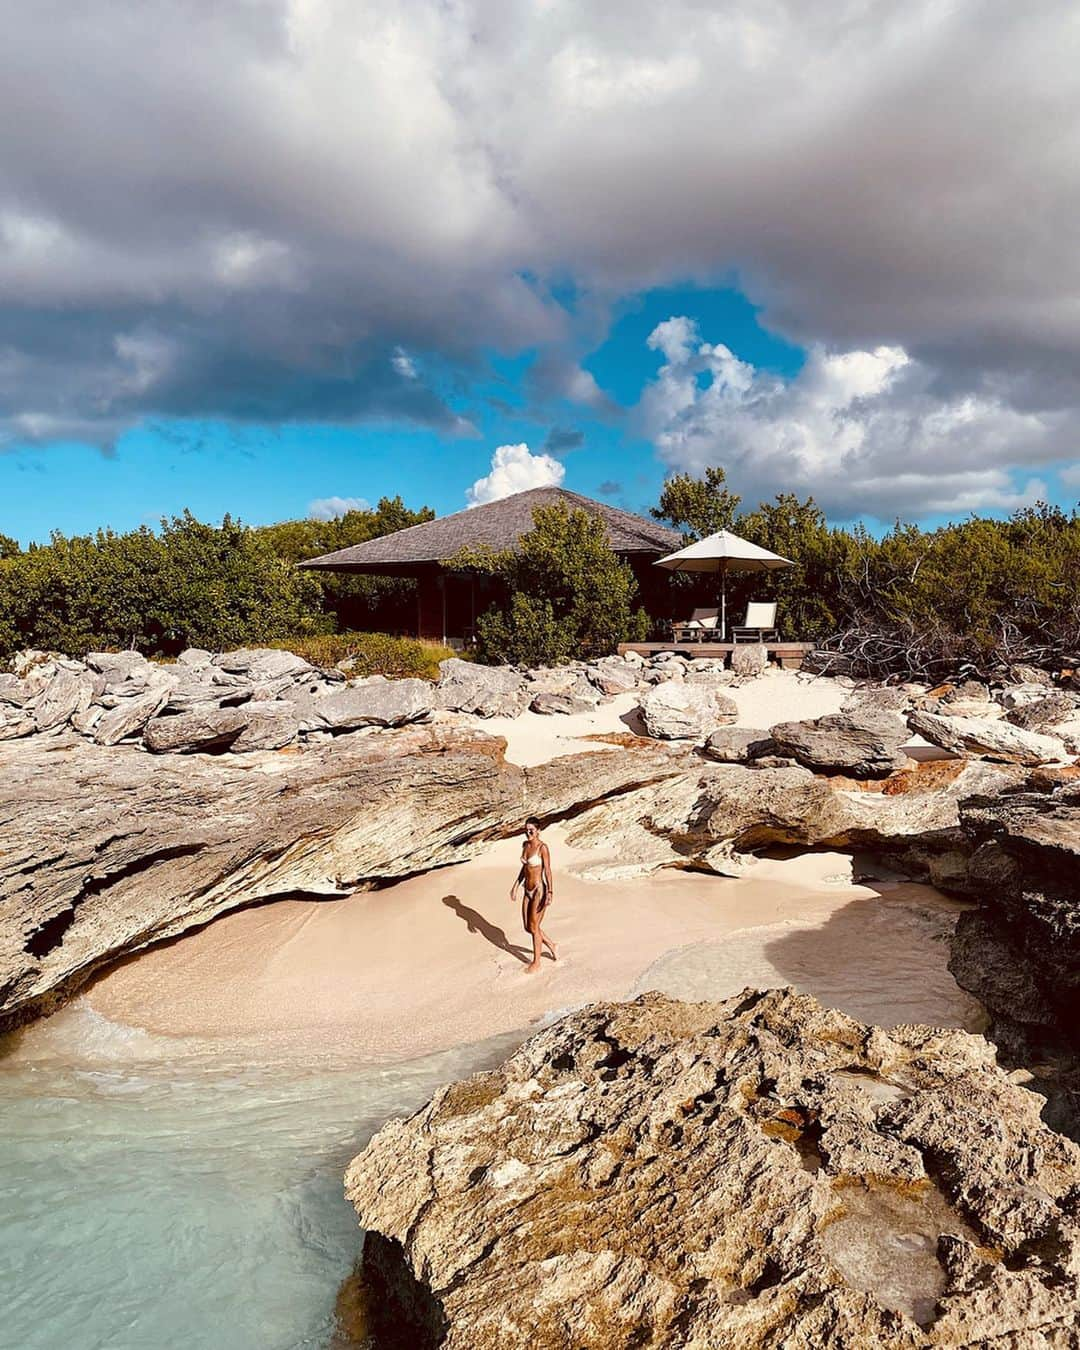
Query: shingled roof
[{"x": 497, "y": 524}]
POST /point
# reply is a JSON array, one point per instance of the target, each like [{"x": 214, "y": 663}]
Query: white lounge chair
[
  {"x": 759, "y": 624},
  {"x": 700, "y": 627}
]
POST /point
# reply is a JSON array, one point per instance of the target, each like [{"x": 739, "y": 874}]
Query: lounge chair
[
  {"x": 759, "y": 624},
  {"x": 701, "y": 626}
]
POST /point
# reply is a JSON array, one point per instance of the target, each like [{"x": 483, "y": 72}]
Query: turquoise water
[
  {"x": 161, "y": 1194},
  {"x": 156, "y": 1195}
]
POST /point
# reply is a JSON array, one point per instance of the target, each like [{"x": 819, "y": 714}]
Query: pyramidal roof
[{"x": 499, "y": 525}]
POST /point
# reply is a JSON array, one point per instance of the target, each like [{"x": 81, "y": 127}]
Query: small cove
[{"x": 174, "y": 1191}]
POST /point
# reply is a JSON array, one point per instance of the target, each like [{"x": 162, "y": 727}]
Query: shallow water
[
  {"x": 161, "y": 1196},
  {"x": 167, "y": 1194}
]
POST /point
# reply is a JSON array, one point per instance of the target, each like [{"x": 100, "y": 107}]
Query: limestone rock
[
  {"x": 194, "y": 658},
  {"x": 14, "y": 724},
  {"x": 108, "y": 849},
  {"x": 1022, "y": 674},
  {"x": 270, "y": 725},
  {"x": 886, "y": 698},
  {"x": 13, "y": 691},
  {"x": 64, "y": 695},
  {"x": 762, "y": 1173},
  {"x": 1020, "y": 695},
  {"x": 735, "y": 745},
  {"x": 375, "y": 703},
  {"x": 203, "y": 729},
  {"x": 863, "y": 741},
  {"x": 986, "y": 738},
  {"x": 547, "y": 703},
  {"x": 128, "y": 718},
  {"x": 118, "y": 666},
  {"x": 262, "y": 663},
  {"x": 612, "y": 675},
  {"x": 682, "y": 711},
  {"x": 749, "y": 658},
  {"x": 1044, "y": 714},
  {"x": 487, "y": 691}
]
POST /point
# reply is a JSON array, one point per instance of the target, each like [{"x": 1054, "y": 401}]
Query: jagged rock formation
[
  {"x": 712, "y": 816},
  {"x": 987, "y": 737},
  {"x": 862, "y": 741},
  {"x": 1019, "y": 951},
  {"x": 107, "y": 849},
  {"x": 679, "y": 710},
  {"x": 761, "y": 1172}
]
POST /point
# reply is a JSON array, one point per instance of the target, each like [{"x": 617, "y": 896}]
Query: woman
[{"x": 535, "y": 878}]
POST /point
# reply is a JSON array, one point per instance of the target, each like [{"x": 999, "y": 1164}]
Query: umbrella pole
[{"x": 723, "y": 602}]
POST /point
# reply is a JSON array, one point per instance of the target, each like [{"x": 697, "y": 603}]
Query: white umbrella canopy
[{"x": 723, "y": 552}]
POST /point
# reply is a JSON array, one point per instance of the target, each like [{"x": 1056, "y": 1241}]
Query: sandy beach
[{"x": 439, "y": 959}]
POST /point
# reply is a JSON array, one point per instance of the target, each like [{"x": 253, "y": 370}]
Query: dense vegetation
[
  {"x": 977, "y": 594},
  {"x": 192, "y": 584},
  {"x": 566, "y": 594}
]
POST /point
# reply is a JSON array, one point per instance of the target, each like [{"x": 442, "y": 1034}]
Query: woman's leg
[
  {"x": 533, "y": 927},
  {"x": 543, "y": 936}
]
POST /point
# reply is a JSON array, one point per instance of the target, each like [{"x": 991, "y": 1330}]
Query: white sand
[{"x": 775, "y": 696}]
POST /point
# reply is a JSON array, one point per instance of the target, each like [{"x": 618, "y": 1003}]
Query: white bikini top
[{"x": 534, "y": 859}]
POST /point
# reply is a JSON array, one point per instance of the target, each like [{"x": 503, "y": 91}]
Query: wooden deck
[{"x": 787, "y": 654}]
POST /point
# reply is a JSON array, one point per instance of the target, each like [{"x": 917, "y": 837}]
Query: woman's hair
[{"x": 532, "y": 821}]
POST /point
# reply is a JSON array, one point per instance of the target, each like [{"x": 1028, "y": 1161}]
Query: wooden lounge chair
[
  {"x": 701, "y": 626},
  {"x": 759, "y": 624}
]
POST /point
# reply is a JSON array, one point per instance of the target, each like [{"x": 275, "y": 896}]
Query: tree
[
  {"x": 699, "y": 506},
  {"x": 567, "y": 594},
  {"x": 9, "y": 548}
]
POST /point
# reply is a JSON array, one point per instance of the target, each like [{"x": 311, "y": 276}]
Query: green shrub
[
  {"x": 371, "y": 653},
  {"x": 567, "y": 594}
]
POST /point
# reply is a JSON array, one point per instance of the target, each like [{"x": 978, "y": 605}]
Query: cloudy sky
[{"x": 276, "y": 257}]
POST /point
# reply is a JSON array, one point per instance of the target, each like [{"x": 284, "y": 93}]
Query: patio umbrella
[{"x": 723, "y": 552}]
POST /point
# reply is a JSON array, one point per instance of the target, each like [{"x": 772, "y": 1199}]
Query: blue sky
[
  {"x": 303, "y": 252},
  {"x": 265, "y": 473}
]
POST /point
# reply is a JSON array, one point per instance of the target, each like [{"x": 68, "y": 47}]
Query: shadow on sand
[{"x": 476, "y": 923}]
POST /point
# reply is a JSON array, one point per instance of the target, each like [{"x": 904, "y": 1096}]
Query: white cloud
[
  {"x": 515, "y": 469},
  {"x": 329, "y": 508},
  {"x": 864, "y": 432},
  {"x": 1070, "y": 475},
  {"x": 403, "y": 363}
]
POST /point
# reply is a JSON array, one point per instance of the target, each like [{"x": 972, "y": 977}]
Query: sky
[{"x": 282, "y": 257}]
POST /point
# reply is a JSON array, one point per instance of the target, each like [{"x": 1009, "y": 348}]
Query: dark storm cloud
[
  {"x": 561, "y": 440},
  {"x": 249, "y": 210}
]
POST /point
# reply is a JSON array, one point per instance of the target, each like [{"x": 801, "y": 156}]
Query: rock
[
  {"x": 749, "y": 658},
  {"x": 735, "y": 745},
  {"x": 108, "y": 849},
  {"x": 967, "y": 691},
  {"x": 205, "y": 729},
  {"x": 14, "y": 724},
  {"x": 615, "y": 677},
  {"x": 13, "y": 691},
  {"x": 1044, "y": 713},
  {"x": 686, "y": 711},
  {"x": 487, "y": 691},
  {"x": 758, "y": 1173},
  {"x": 65, "y": 694},
  {"x": 376, "y": 703},
  {"x": 118, "y": 666},
  {"x": 22, "y": 663},
  {"x": 1019, "y": 952},
  {"x": 986, "y": 738},
  {"x": 1020, "y": 695},
  {"x": 888, "y": 698},
  {"x": 561, "y": 703},
  {"x": 864, "y": 741},
  {"x": 1068, "y": 733},
  {"x": 262, "y": 663},
  {"x": 1022, "y": 674},
  {"x": 194, "y": 658},
  {"x": 270, "y": 725},
  {"x": 128, "y": 718},
  {"x": 712, "y": 816}
]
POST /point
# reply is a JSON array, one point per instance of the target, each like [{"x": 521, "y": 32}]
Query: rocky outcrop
[
  {"x": 681, "y": 710},
  {"x": 375, "y": 703},
  {"x": 762, "y": 1172},
  {"x": 716, "y": 816},
  {"x": 108, "y": 849},
  {"x": 990, "y": 739},
  {"x": 737, "y": 745},
  {"x": 486, "y": 691},
  {"x": 1019, "y": 950},
  {"x": 863, "y": 742}
]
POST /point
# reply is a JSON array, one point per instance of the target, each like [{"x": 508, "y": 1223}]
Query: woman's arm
[
  {"x": 548, "y": 885},
  {"x": 518, "y": 881}
]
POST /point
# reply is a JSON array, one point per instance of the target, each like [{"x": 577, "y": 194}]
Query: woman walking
[{"x": 534, "y": 879}]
